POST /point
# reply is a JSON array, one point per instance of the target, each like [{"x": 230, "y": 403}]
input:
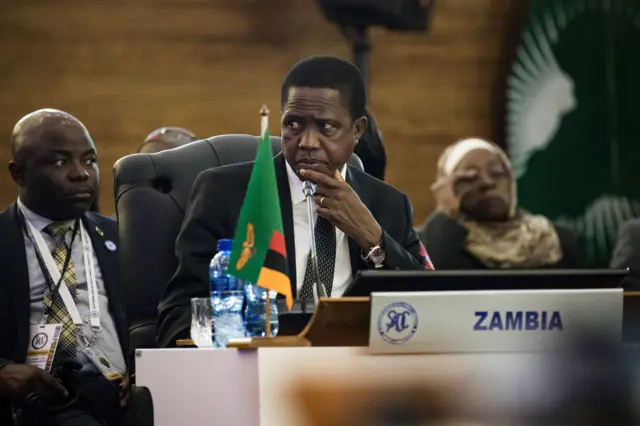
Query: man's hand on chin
[{"x": 338, "y": 203}]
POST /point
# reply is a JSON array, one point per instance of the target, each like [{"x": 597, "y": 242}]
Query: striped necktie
[
  {"x": 326, "y": 246},
  {"x": 58, "y": 313}
]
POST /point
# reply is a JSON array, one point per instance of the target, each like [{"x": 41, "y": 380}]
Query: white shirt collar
[
  {"x": 295, "y": 184},
  {"x": 39, "y": 222}
]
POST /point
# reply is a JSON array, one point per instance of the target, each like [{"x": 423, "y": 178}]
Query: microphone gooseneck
[{"x": 308, "y": 188}]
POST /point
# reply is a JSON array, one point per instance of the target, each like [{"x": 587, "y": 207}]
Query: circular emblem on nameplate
[
  {"x": 39, "y": 341},
  {"x": 398, "y": 323},
  {"x": 110, "y": 245}
]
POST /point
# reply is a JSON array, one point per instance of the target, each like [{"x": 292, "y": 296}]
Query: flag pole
[{"x": 264, "y": 124}]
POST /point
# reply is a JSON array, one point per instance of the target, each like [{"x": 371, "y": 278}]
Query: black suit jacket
[
  {"x": 626, "y": 254},
  {"x": 214, "y": 206},
  {"x": 627, "y": 251},
  {"x": 15, "y": 286},
  {"x": 444, "y": 239}
]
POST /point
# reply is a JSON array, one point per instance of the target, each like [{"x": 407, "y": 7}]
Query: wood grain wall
[{"x": 126, "y": 67}]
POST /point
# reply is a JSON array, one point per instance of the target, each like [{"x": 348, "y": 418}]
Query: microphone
[{"x": 309, "y": 189}]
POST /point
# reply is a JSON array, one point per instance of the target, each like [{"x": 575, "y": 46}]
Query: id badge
[
  {"x": 102, "y": 363},
  {"x": 43, "y": 341}
]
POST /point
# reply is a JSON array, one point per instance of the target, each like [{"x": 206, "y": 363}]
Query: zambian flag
[{"x": 259, "y": 252}]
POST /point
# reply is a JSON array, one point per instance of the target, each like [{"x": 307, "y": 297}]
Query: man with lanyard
[{"x": 61, "y": 301}]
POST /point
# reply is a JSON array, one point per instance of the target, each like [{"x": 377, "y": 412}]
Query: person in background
[
  {"x": 370, "y": 148},
  {"x": 478, "y": 225},
  {"x": 44, "y": 235},
  {"x": 166, "y": 138},
  {"x": 627, "y": 251}
]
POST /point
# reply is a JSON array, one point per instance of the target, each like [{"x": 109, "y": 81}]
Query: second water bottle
[
  {"x": 227, "y": 297},
  {"x": 255, "y": 312}
]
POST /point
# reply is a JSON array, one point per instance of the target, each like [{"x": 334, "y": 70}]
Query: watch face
[{"x": 377, "y": 254}]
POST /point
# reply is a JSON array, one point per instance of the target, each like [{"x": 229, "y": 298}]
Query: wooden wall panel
[{"x": 125, "y": 68}]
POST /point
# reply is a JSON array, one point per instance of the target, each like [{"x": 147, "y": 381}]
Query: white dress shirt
[{"x": 342, "y": 274}]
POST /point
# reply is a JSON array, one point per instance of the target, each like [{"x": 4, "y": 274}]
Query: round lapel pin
[{"x": 110, "y": 245}]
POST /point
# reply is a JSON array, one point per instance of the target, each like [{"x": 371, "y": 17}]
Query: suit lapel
[
  {"x": 106, "y": 250},
  {"x": 287, "y": 218},
  {"x": 106, "y": 259},
  {"x": 15, "y": 273}
]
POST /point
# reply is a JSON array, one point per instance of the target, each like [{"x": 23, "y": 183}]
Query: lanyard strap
[
  {"x": 53, "y": 286},
  {"x": 54, "y": 272},
  {"x": 90, "y": 272}
]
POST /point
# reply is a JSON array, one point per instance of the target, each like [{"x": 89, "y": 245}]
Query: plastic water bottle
[
  {"x": 227, "y": 297},
  {"x": 255, "y": 312},
  {"x": 218, "y": 278}
]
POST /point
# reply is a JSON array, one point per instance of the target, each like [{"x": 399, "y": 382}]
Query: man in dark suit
[
  {"x": 48, "y": 227},
  {"x": 626, "y": 254},
  {"x": 361, "y": 223},
  {"x": 627, "y": 251},
  {"x": 371, "y": 150}
]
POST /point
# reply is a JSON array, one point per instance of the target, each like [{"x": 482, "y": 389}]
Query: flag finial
[{"x": 264, "y": 119}]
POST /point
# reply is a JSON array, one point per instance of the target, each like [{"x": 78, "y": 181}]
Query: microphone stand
[{"x": 308, "y": 189}]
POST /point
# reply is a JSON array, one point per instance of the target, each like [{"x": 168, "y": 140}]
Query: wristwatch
[{"x": 376, "y": 255}]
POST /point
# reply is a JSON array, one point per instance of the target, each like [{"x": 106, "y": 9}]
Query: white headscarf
[{"x": 456, "y": 152}]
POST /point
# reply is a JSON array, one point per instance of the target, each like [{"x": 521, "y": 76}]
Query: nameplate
[{"x": 490, "y": 321}]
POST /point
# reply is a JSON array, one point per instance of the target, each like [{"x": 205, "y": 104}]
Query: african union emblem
[
  {"x": 398, "y": 323},
  {"x": 39, "y": 341},
  {"x": 572, "y": 117}
]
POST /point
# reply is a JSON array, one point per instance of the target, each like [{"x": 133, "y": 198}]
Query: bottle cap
[{"x": 225, "y": 245}]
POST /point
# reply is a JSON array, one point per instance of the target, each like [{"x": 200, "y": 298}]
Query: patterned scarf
[{"x": 523, "y": 241}]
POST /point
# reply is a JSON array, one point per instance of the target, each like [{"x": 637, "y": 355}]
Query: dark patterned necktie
[
  {"x": 58, "y": 313},
  {"x": 326, "y": 247}
]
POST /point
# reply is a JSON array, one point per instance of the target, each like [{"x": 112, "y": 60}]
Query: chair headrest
[{"x": 174, "y": 171}]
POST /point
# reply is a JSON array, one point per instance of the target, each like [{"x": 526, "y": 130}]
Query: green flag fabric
[{"x": 259, "y": 250}]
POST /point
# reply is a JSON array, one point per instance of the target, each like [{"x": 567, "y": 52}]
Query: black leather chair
[{"x": 151, "y": 194}]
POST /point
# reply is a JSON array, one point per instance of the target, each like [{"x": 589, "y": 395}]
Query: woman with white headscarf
[{"x": 478, "y": 224}]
